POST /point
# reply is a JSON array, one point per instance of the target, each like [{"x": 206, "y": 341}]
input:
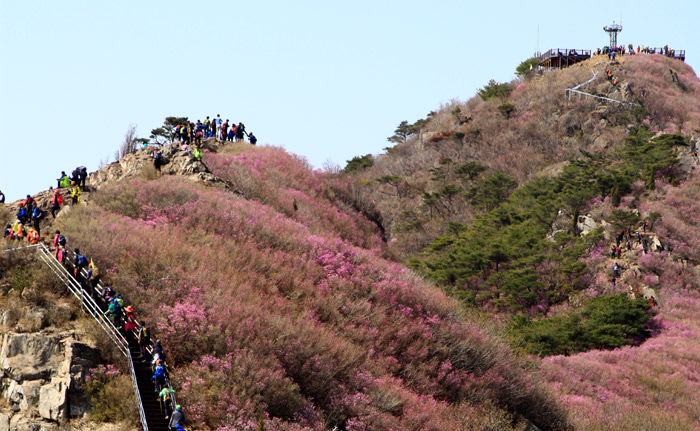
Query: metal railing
[
  {"x": 86, "y": 300},
  {"x": 91, "y": 307},
  {"x": 76, "y": 289},
  {"x": 570, "y": 91},
  {"x": 557, "y": 52}
]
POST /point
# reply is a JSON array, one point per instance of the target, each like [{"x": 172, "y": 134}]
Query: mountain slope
[{"x": 275, "y": 301}]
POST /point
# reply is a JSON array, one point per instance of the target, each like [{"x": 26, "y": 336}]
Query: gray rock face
[
  {"x": 140, "y": 164},
  {"x": 30, "y": 356},
  {"x": 42, "y": 373}
]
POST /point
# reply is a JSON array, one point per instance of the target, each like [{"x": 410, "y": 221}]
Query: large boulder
[
  {"x": 52, "y": 399},
  {"x": 31, "y": 356}
]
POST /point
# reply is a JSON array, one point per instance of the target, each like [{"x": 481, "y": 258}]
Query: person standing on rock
[
  {"x": 82, "y": 176},
  {"x": 218, "y": 126},
  {"x": 75, "y": 195},
  {"x": 56, "y": 203},
  {"x": 240, "y": 131},
  {"x": 616, "y": 270},
  {"x": 37, "y": 214},
  {"x": 61, "y": 181}
]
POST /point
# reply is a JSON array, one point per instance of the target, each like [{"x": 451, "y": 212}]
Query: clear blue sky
[{"x": 324, "y": 79}]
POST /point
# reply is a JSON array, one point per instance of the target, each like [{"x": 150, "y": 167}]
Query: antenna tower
[{"x": 613, "y": 30}]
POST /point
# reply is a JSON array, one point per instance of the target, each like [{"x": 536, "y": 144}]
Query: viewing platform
[
  {"x": 673, "y": 53},
  {"x": 561, "y": 58}
]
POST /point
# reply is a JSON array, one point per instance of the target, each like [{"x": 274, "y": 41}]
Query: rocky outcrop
[
  {"x": 140, "y": 165},
  {"x": 41, "y": 377}
]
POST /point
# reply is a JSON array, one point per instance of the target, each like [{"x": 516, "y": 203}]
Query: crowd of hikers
[
  {"x": 614, "y": 51},
  {"x": 623, "y": 243},
  {"x": 27, "y": 225},
  {"x": 123, "y": 316},
  {"x": 193, "y": 133}
]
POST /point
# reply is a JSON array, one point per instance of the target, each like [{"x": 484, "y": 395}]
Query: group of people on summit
[
  {"x": 190, "y": 132},
  {"x": 613, "y": 51}
]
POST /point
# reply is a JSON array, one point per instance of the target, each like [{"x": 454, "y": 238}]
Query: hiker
[
  {"x": 2, "y": 197},
  {"x": 19, "y": 230},
  {"x": 616, "y": 269},
  {"x": 75, "y": 176},
  {"x": 613, "y": 281},
  {"x": 82, "y": 176},
  {"x": 197, "y": 154},
  {"x": 224, "y": 130},
  {"x": 75, "y": 195},
  {"x": 144, "y": 337},
  {"x": 61, "y": 254},
  {"x": 56, "y": 203},
  {"x": 629, "y": 245},
  {"x": 218, "y": 126},
  {"x": 644, "y": 226},
  {"x": 652, "y": 302},
  {"x": 231, "y": 133},
  {"x": 240, "y": 130},
  {"x": 129, "y": 320},
  {"x": 157, "y": 159},
  {"x": 613, "y": 252},
  {"x": 158, "y": 350},
  {"x": 166, "y": 398},
  {"x": 619, "y": 252},
  {"x": 61, "y": 181},
  {"x": 37, "y": 214},
  {"x": 177, "y": 419},
  {"x": 114, "y": 311},
  {"x": 159, "y": 378},
  {"x": 33, "y": 236},
  {"x": 8, "y": 234},
  {"x": 21, "y": 213},
  {"x": 639, "y": 238},
  {"x": 57, "y": 235},
  {"x": 252, "y": 138},
  {"x": 79, "y": 262},
  {"x": 93, "y": 277}
]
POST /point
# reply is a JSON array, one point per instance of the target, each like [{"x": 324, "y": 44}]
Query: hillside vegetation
[
  {"x": 461, "y": 281},
  {"x": 494, "y": 199},
  {"x": 278, "y": 308}
]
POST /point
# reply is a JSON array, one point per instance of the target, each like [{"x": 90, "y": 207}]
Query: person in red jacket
[{"x": 56, "y": 203}]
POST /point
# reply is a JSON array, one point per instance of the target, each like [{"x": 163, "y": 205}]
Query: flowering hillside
[
  {"x": 276, "y": 307},
  {"x": 653, "y": 386}
]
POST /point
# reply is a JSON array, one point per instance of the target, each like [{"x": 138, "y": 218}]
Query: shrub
[
  {"x": 606, "y": 322},
  {"x": 495, "y": 90},
  {"x": 524, "y": 68},
  {"x": 111, "y": 395},
  {"x": 358, "y": 163}
]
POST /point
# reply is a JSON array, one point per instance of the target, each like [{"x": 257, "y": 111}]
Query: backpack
[
  {"x": 144, "y": 333},
  {"x": 61, "y": 240},
  {"x": 82, "y": 260}
]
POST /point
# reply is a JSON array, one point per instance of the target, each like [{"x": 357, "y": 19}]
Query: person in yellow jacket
[
  {"x": 19, "y": 230},
  {"x": 75, "y": 194},
  {"x": 197, "y": 154},
  {"x": 33, "y": 237}
]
